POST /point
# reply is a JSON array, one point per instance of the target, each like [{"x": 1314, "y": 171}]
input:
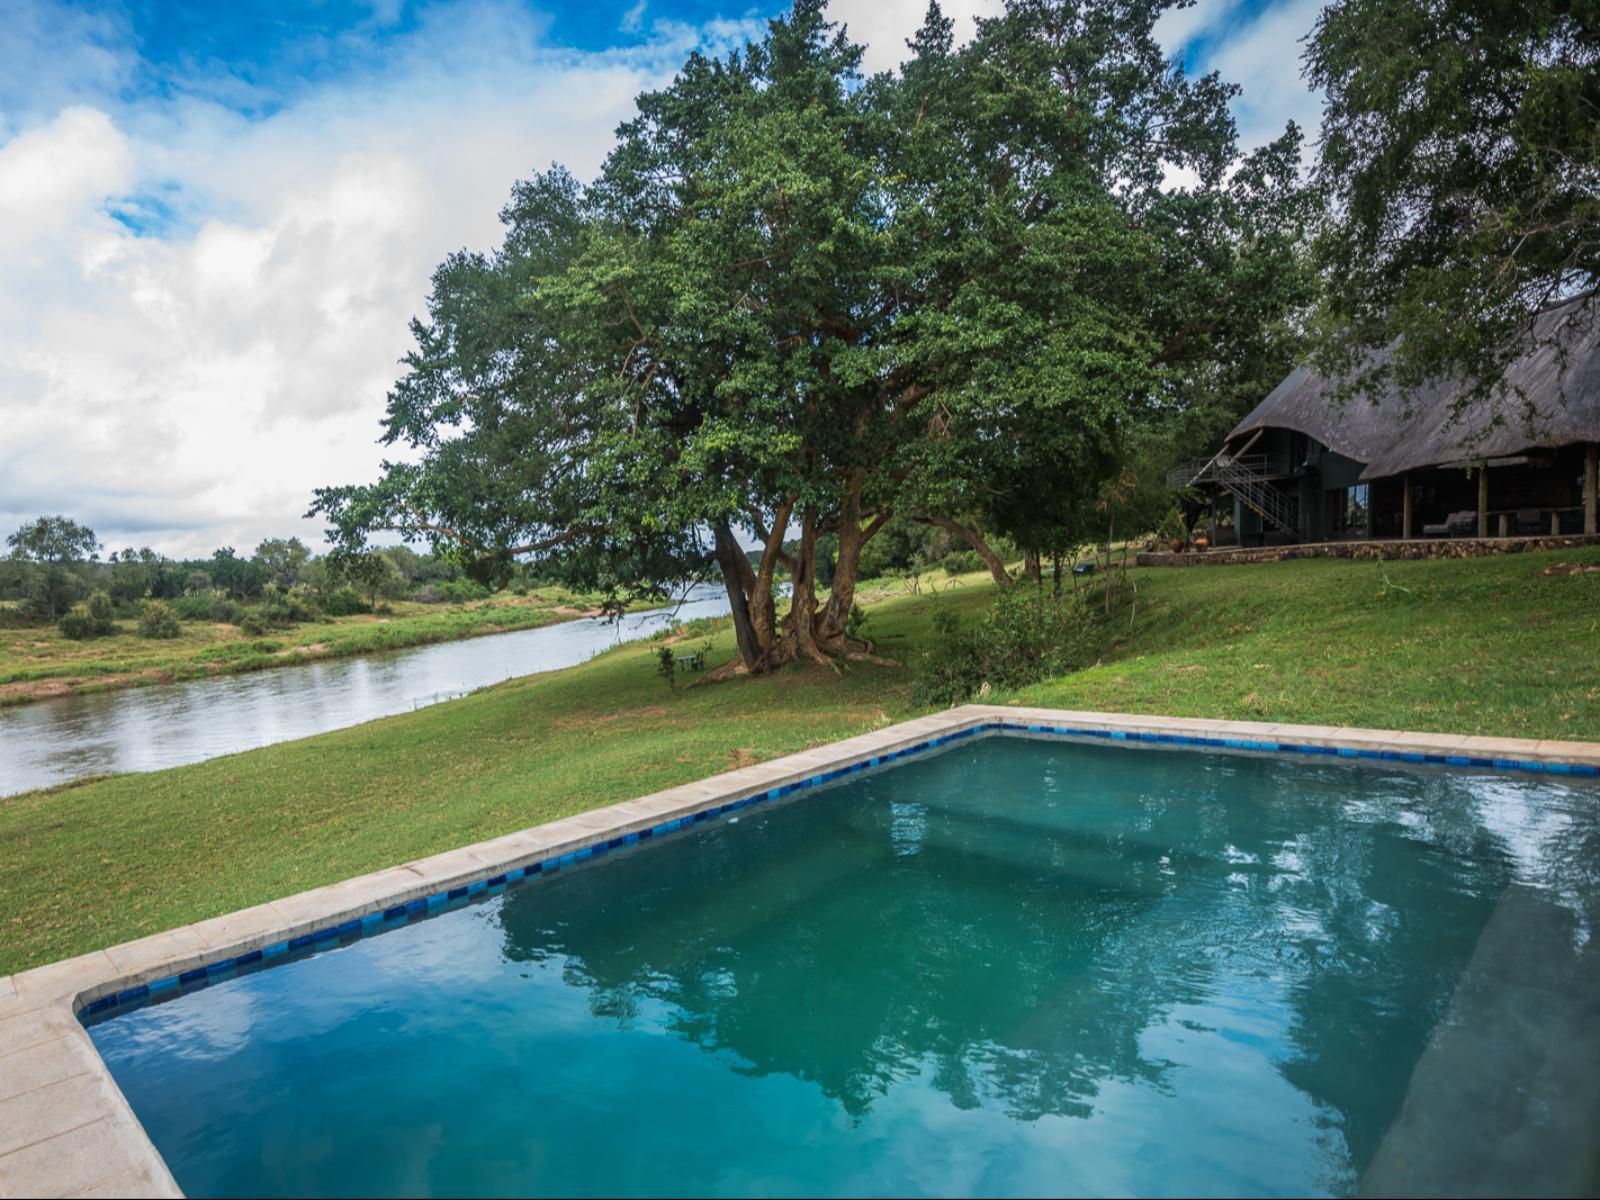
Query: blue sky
[{"x": 217, "y": 219}]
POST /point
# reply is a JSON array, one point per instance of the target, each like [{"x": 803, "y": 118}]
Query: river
[{"x": 167, "y": 725}]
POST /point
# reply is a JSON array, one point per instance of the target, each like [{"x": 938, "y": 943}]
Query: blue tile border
[{"x": 393, "y": 917}]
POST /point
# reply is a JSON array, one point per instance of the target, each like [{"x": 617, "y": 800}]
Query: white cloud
[
  {"x": 190, "y": 388},
  {"x": 885, "y": 25},
  {"x": 1260, "y": 51}
]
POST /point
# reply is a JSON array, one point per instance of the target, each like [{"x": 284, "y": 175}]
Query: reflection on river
[{"x": 146, "y": 729}]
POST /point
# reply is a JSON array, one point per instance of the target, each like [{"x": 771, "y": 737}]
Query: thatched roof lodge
[{"x": 1304, "y": 467}]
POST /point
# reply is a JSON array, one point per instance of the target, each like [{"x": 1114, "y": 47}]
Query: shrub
[
  {"x": 427, "y": 595},
  {"x": 344, "y": 602},
  {"x": 854, "y": 623},
  {"x": 667, "y": 665},
  {"x": 225, "y": 611},
  {"x": 1026, "y": 636},
  {"x": 460, "y": 591},
  {"x": 960, "y": 562},
  {"x": 157, "y": 620},
  {"x": 192, "y": 608},
  {"x": 253, "y": 624},
  {"x": 100, "y": 611},
  {"x": 76, "y": 624},
  {"x": 92, "y": 618}
]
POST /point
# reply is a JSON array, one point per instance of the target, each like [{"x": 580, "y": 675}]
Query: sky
[{"x": 216, "y": 221}]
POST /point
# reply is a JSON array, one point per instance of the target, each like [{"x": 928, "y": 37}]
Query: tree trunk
[
  {"x": 799, "y": 638},
  {"x": 831, "y": 631},
  {"x": 973, "y": 536},
  {"x": 740, "y": 584},
  {"x": 1031, "y": 567}
]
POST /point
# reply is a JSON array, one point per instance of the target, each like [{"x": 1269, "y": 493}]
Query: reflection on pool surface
[{"x": 1017, "y": 967}]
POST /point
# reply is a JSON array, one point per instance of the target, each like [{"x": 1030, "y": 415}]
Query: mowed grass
[
  {"x": 36, "y": 662},
  {"x": 1480, "y": 646},
  {"x": 1483, "y": 646}
]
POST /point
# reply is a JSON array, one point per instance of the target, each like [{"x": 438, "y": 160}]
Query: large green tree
[
  {"x": 53, "y": 545},
  {"x": 1461, "y": 159},
  {"x": 797, "y": 301}
]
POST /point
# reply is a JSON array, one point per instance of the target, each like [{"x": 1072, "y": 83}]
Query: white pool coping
[{"x": 67, "y": 1130}]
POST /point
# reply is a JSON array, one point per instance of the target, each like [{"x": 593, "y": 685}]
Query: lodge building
[{"x": 1302, "y": 467}]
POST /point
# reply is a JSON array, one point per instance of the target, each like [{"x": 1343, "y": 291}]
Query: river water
[{"x": 146, "y": 729}]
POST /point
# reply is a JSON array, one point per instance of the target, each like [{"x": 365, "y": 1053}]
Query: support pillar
[
  {"x": 1555, "y": 524},
  {"x": 1405, "y": 507},
  {"x": 1483, "y": 499},
  {"x": 1591, "y": 487},
  {"x": 1505, "y": 525}
]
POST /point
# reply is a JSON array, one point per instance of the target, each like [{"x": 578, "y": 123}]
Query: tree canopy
[
  {"x": 797, "y": 302},
  {"x": 1461, "y": 163}
]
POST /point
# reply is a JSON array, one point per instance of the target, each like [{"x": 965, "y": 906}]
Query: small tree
[
  {"x": 373, "y": 574},
  {"x": 52, "y": 545},
  {"x": 196, "y": 583},
  {"x": 156, "y": 620},
  {"x": 88, "y": 620},
  {"x": 282, "y": 560}
]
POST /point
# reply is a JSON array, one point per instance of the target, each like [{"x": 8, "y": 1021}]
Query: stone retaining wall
[{"x": 1416, "y": 548}]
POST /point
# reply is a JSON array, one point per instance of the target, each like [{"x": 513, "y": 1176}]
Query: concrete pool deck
[{"x": 67, "y": 1130}]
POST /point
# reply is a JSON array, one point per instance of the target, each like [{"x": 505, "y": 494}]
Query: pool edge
[{"x": 65, "y": 1127}]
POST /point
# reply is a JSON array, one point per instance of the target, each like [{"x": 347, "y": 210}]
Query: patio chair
[
  {"x": 1531, "y": 520},
  {"x": 1463, "y": 523}
]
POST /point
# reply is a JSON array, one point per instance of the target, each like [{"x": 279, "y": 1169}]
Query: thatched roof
[{"x": 1546, "y": 406}]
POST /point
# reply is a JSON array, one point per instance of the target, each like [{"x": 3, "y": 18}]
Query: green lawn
[{"x": 1481, "y": 646}]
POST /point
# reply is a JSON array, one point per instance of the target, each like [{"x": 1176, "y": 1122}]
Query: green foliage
[
  {"x": 51, "y": 545},
  {"x": 856, "y": 622},
  {"x": 667, "y": 664},
  {"x": 241, "y": 577},
  {"x": 1026, "y": 636},
  {"x": 282, "y": 560},
  {"x": 254, "y": 624},
  {"x": 75, "y": 624},
  {"x": 459, "y": 591},
  {"x": 960, "y": 562},
  {"x": 91, "y": 619},
  {"x": 157, "y": 620},
  {"x": 799, "y": 301},
  {"x": 1459, "y": 151},
  {"x": 344, "y": 603}
]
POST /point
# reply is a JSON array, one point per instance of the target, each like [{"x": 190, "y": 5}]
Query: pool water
[{"x": 1016, "y": 967}]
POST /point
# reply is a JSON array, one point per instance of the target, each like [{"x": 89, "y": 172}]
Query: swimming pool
[{"x": 1015, "y": 966}]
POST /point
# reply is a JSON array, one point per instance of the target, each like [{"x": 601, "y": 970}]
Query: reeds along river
[{"x": 146, "y": 729}]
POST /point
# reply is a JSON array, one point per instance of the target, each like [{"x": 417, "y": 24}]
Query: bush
[
  {"x": 460, "y": 591},
  {"x": 253, "y": 624},
  {"x": 960, "y": 562},
  {"x": 92, "y": 618},
  {"x": 1026, "y": 636},
  {"x": 156, "y": 620},
  {"x": 209, "y": 607},
  {"x": 192, "y": 608},
  {"x": 667, "y": 665},
  {"x": 76, "y": 624},
  {"x": 344, "y": 603},
  {"x": 100, "y": 611}
]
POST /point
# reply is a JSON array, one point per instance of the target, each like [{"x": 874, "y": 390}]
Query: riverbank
[
  {"x": 37, "y": 663},
  {"x": 1507, "y": 646}
]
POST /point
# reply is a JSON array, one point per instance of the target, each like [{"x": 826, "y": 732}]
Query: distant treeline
[{"x": 53, "y": 563}]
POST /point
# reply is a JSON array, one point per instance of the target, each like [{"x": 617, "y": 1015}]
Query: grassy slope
[
  {"x": 1488, "y": 646},
  {"x": 38, "y": 662}
]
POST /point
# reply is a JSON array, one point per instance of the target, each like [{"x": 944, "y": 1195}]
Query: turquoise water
[{"x": 1016, "y": 967}]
